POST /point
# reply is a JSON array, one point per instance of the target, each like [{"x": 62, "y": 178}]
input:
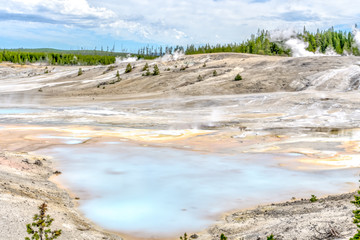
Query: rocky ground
[{"x": 328, "y": 218}]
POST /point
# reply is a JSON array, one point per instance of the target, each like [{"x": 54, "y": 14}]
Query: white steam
[
  {"x": 297, "y": 46},
  {"x": 128, "y": 59},
  {"x": 356, "y": 33},
  {"x": 172, "y": 57}
]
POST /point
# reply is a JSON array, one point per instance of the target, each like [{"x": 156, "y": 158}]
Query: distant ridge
[{"x": 77, "y": 52}]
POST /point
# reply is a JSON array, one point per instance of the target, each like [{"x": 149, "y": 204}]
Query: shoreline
[
  {"x": 240, "y": 223},
  {"x": 25, "y": 182}
]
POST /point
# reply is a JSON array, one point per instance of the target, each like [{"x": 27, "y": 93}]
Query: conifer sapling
[{"x": 39, "y": 229}]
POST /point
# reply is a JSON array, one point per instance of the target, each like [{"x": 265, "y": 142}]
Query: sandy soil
[{"x": 25, "y": 178}]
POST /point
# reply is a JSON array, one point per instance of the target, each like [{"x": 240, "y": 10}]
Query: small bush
[
  {"x": 156, "y": 70},
  {"x": 80, "y": 72},
  {"x": 183, "y": 68},
  {"x": 271, "y": 237},
  {"x": 184, "y": 237},
  {"x": 356, "y": 212},
  {"x": 204, "y": 65},
  {"x": 313, "y": 198},
  {"x": 118, "y": 78},
  {"x": 128, "y": 68},
  {"x": 38, "y": 228},
  {"x": 200, "y": 78},
  {"x": 223, "y": 237},
  {"x": 215, "y": 73},
  {"x": 146, "y": 67},
  {"x": 238, "y": 77}
]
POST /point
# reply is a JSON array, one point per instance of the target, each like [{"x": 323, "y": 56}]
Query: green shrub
[
  {"x": 223, "y": 237},
  {"x": 313, "y": 198},
  {"x": 156, "y": 70},
  {"x": 128, "y": 68},
  {"x": 238, "y": 77},
  {"x": 38, "y": 228},
  {"x": 184, "y": 237},
  {"x": 118, "y": 78},
  {"x": 146, "y": 67},
  {"x": 200, "y": 78},
  {"x": 80, "y": 72},
  {"x": 356, "y": 212},
  {"x": 215, "y": 73},
  {"x": 271, "y": 237}
]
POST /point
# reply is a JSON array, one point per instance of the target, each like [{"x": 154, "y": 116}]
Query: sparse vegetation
[
  {"x": 118, "y": 78},
  {"x": 146, "y": 67},
  {"x": 215, "y": 73},
  {"x": 204, "y": 65},
  {"x": 238, "y": 77},
  {"x": 271, "y": 237},
  {"x": 313, "y": 198},
  {"x": 156, "y": 70},
  {"x": 183, "y": 68},
  {"x": 39, "y": 229},
  {"x": 80, "y": 72},
  {"x": 109, "y": 69},
  {"x": 199, "y": 78},
  {"x": 223, "y": 237},
  {"x": 128, "y": 68},
  {"x": 356, "y": 212},
  {"x": 184, "y": 237}
]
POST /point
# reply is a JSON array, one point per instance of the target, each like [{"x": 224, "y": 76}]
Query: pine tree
[
  {"x": 118, "y": 76},
  {"x": 356, "y": 212},
  {"x": 128, "y": 68},
  {"x": 38, "y": 228},
  {"x": 156, "y": 70},
  {"x": 145, "y": 67},
  {"x": 238, "y": 77}
]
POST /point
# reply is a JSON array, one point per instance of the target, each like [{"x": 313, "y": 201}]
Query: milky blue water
[
  {"x": 18, "y": 110},
  {"x": 162, "y": 192}
]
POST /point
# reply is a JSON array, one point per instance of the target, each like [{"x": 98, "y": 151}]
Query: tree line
[
  {"x": 338, "y": 41},
  {"x": 55, "y": 58},
  {"x": 341, "y": 42},
  {"x": 257, "y": 44}
]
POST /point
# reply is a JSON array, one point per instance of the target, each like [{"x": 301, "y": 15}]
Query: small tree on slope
[
  {"x": 356, "y": 212},
  {"x": 38, "y": 228}
]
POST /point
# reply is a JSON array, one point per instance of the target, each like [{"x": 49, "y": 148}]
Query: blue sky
[{"x": 73, "y": 24}]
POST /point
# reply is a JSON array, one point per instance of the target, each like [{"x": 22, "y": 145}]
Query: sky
[{"x": 130, "y": 24}]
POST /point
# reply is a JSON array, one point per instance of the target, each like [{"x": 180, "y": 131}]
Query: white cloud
[{"x": 182, "y": 21}]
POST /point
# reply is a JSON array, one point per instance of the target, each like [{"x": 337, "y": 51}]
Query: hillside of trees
[
  {"x": 259, "y": 44},
  {"x": 321, "y": 41},
  {"x": 55, "y": 58},
  {"x": 339, "y": 41}
]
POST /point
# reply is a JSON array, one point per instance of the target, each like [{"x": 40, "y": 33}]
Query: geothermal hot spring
[{"x": 162, "y": 167}]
